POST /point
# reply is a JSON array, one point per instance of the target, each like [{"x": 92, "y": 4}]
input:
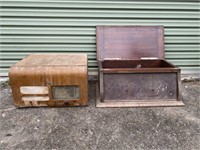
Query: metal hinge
[
  {"x": 149, "y": 58},
  {"x": 112, "y": 59}
]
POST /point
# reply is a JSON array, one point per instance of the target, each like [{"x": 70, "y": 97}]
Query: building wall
[{"x": 50, "y": 26}]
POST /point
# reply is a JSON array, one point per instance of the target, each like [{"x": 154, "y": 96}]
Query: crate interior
[{"x": 136, "y": 64}]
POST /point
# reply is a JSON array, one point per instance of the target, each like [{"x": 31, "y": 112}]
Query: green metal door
[{"x": 50, "y": 26}]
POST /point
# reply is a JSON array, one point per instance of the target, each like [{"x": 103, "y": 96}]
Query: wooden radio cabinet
[
  {"x": 132, "y": 68},
  {"x": 50, "y": 80}
]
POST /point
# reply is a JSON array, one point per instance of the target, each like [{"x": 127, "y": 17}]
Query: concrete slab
[{"x": 82, "y": 128}]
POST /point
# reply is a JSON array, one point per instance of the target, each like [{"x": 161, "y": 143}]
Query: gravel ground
[{"x": 82, "y": 128}]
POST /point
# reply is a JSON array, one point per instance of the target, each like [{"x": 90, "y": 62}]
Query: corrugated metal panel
[{"x": 49, "y": 26}]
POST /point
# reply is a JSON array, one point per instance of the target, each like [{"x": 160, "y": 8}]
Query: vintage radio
[
  {"x": 50, "y": 80},
  {"x": 132, "y": 68}
]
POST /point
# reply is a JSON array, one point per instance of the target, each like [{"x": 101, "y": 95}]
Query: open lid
[{"x": 129, "y": 42}]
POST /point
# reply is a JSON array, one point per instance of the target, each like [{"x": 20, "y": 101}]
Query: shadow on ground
[{"x": 82, "y": 128}]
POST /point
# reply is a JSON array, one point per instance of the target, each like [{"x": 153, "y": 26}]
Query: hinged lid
[
  {"x": 129, "y": 42},
  {"x": 147, "y": 58}
]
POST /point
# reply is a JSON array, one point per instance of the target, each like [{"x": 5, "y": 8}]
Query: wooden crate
[
  {"x": 50, "y": 80},
  {"x": 132, "y": 68}
]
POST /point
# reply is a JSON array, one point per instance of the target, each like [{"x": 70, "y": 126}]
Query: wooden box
[
  {"x": 50, "y": 80},
  {"x": 132, "y": 68}
]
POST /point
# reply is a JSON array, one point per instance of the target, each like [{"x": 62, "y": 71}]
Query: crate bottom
[{"x": 156, "y": 103}]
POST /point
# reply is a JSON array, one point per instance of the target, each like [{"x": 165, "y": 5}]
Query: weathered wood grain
[
  {"x": 132, "y": 68},
  {"x": 49, "y": 70}
]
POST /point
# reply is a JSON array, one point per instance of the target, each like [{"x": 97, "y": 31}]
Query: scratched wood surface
[
  {"x": 132, "y": 68},
  {"x": 46, "y": 71},
  {"x": 129, "y": 42},
  {"x": 141, "y": 86},
  {"x": 60, "y": 59}
]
